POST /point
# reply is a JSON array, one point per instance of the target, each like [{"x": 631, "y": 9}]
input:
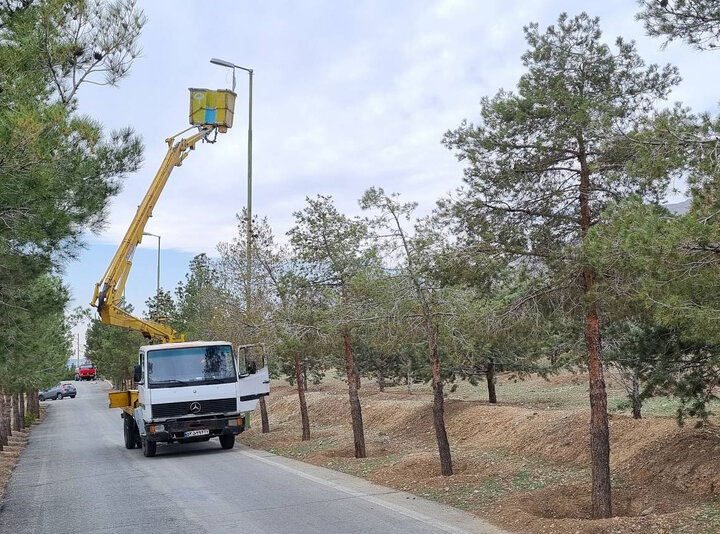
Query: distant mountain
[{"x": 679, "y": 208}]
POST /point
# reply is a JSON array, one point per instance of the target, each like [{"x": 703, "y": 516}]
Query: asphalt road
[{"x": 76, "y": 477}]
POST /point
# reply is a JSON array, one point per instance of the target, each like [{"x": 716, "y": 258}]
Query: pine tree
[
  {"x": 541, "y": 168},
  {"x": 332, "y": 252},
  {"x": 697, "y": 22}
]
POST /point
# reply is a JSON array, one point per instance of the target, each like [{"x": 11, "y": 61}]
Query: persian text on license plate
[{"x": 191, "y": 433}]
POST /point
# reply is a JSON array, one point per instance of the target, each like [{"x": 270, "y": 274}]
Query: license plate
[{"x": 191, "y": 433}]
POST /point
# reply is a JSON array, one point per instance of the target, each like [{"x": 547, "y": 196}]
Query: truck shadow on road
[{"x": 177, "y": 450}]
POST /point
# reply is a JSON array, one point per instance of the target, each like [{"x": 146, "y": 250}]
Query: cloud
[{"x": 347, "y": 96}]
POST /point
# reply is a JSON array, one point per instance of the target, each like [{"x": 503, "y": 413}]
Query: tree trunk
[
  {"x": 303, "y": 404},
  {"x": 21, "y": 409},
  {"x": 358, "y": 383},
  {"x": 381, "y": 374},
  {"x": 305, "y": 376},
  {"x": 438, "y": 403},
  {"x": 408, "y": 368},
  {"x": 15, "y": 413},
  {"x": 490, "y": 377},
  {"x": 3, "y": 426},
  {"x": 355, "y": 409},
  {"x": 265, "y": 423},
  {"x": 7, "y": 414},
  {"x": 599, "y": 427},
  {"x": 636, "y": 401},
  {"x": 29, "y": 404},
  {"x": 35, "y": 404}
]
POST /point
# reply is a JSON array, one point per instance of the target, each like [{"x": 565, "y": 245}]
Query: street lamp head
[
  {"x": 148, "y": 233},
  {"x": 222, "y": 63}
]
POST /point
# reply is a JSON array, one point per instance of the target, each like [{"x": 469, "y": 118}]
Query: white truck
[
  {"x": 192, "y": 391},
  {"x": 186, "y": 391}
]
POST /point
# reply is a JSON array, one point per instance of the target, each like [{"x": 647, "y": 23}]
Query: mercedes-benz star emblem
[{"x": 195, "y": 407}]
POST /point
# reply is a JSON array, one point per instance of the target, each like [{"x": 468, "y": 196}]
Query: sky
[{"x": 347, "y": 95}]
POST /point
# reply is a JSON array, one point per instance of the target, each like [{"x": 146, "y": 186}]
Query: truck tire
[
  {"x": 149, "y": 448},
  {"x": 129, "y": 432},
  {"x": 227, "y": 441}
]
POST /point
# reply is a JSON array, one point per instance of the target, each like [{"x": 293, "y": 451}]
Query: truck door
[{"x": 254, "y": 376}]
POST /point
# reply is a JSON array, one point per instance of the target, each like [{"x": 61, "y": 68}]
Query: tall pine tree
[{"x": 542, "y": 165}]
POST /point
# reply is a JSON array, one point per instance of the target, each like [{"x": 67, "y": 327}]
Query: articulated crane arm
[{"x": 109, "y": 291}]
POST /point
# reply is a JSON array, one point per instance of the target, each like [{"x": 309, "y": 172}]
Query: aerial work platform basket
[{"x": 212, "y": 108}]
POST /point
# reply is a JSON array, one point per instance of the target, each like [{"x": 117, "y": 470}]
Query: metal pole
[
  {"x": 78, "y": 351},
  {"x": 248, "y": 246},
  {"x": 157, "y": 293},
  {"x": 157, "y": 289},
  {"x": 249, "y": 195}
]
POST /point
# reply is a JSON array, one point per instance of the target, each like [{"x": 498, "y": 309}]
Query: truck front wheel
[
  {"x": 129, "y": 432},
  {"x": 227, "y": 441},
  {"x": 149, "y": 448}
]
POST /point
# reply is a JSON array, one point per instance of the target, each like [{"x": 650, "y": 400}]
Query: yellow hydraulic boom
[{"x": 108, "y": 292}]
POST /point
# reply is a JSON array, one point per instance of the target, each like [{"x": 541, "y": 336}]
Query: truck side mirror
[
  {"x": 137, "y": 373},
  {"x": 252, "y": 367}
]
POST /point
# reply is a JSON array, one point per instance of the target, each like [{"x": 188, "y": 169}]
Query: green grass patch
[
  {"x": 525, "y": 481},
  {"x": 481, "y": 494},
  {"x": 704, "y": 521},
  {"x": 363, "y": 467},
  {"x": 304, "y": 448},
  {"x": 468, "y": 496}
]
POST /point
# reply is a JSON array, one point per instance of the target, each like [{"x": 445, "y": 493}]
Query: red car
[{"x": 86, "y": 372}]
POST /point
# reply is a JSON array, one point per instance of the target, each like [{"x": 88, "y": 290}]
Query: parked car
[
  {"x": 86, "y": 372},
  {"x": 58, "y": 392}
]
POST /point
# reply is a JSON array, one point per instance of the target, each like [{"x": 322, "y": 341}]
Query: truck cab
[
  {"x": 194, "y": 391},
  {"x": 86, "y": 371}
]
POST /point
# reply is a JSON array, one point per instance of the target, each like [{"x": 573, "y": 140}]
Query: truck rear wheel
[
  {"x": 129, "y": 432},
  {"x": 149, "y": 448},
  {"x": 227, "y": 441}
]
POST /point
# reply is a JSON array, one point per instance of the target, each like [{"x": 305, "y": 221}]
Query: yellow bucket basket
[{"x": 212, "y": 108}]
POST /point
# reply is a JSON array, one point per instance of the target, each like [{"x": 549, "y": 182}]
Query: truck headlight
[{"x": 156, "y": 428}]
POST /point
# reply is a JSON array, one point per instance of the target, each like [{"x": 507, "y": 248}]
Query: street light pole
[
  {"x": 157, "y": 291},
  {"x": 249, "y": 195},
  {"x": 248, "y": 245}
]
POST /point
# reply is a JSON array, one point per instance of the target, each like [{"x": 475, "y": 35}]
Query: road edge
[
  {"x": 16, "y": 453},
  {"x": 438, "y": 515}
]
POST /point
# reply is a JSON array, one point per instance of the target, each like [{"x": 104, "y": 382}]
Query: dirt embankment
[
  {"x": 10, "y": 455},
  {"x": 525, "y": 469}
]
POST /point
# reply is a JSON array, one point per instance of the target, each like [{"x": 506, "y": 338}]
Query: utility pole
[
  {"x": 249, "y": 198},
  {"x": 157, "y": 290},
  {"x": 248, "y": 246}
]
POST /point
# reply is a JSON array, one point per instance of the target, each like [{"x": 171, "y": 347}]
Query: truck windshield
[{"x": 191, "y": 366}]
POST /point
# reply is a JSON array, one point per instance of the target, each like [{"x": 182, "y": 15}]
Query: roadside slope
[{"x": 521, "y": 467}]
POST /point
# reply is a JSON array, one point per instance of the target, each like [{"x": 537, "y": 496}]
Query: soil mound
[
  {"x": 687, "y": 459},
  {"x": 573, "y": 502}
]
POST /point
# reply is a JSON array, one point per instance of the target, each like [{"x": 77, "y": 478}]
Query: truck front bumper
[{"x": 202, "y": 427}]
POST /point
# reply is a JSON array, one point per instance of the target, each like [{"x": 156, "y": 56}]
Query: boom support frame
[{"x": 108, "y": 292}]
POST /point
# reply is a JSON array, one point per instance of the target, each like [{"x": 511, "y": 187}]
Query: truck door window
[{"x": 251, "y": 359}]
